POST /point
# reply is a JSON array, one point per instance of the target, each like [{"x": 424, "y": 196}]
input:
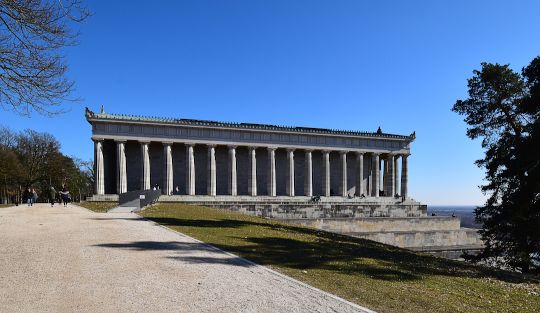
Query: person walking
[
  {"x": 34, "y": 195},
  {"x": 64, "y": 194},
  {"x": 52, "y": 195},
  {"x": 28, "y": 196}
]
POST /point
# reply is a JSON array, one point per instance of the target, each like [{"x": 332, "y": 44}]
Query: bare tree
[
  {"x": 39, "y": 152},
  {"x": 32, "y": 67},
  {"x": 8, "y": 138}
]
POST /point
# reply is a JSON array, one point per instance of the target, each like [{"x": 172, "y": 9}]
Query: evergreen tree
[{"x": 503, "y": 109}]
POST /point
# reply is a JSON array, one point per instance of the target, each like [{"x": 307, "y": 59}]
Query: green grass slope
[{"x": 380, "y": 277}]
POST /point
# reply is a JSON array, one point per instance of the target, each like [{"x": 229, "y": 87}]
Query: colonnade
[{"x": 379, "y": 160}]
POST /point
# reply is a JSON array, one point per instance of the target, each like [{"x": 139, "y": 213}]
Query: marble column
[
  {"x": 145, "y": 159},
  {"x": 252, "y": 175},
  {"x": 360, "y": 174},
  {"x": 121, "y": 179},
  {"x": 396, "y": 174},
  {"x": 375, "y": 175},
  {"x": 404, "y": 176},
  {"x": 390, "y": 181},
  {"x": 211, "y": 181},
  {"x": 271, "y": 172},
  {"x": 385, "y": 176},
  {"x": 190, "y": 170},
  {"x": 308, "y": 174},
  {"x": 343, "y": 186},
  {"x": 290, "y": 173},
  {"x": 100, "y": 167},
  {"x": 326, "y": 173},
  {"x": 232, "y": 171},
  {"x": 168, "y": 169}
]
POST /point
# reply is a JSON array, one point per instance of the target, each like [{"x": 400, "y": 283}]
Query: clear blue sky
[{"x": 353, "y": 65}]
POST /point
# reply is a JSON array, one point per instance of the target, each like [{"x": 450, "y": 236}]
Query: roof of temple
[{"x": 92, "y": 116}]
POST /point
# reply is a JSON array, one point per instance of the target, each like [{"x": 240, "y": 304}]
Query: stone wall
[
  {"x": 466, "y": 238},
  {"x": 301, "y": 207},
  {"x": 179, "y": 167},
  {"x": 380, "y": 224}
]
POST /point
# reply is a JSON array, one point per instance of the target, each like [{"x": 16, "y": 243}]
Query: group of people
[
  {"x": 63, "y": 196},
  {"x": 30, "y": 196},
  {"x": 176, "y": 190}
]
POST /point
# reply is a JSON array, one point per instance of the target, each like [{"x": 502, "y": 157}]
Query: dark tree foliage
[
  {"x": 33, "y": 159},
  {"x": 32, "y": 67},
  {"x": 503, "y": 108}
]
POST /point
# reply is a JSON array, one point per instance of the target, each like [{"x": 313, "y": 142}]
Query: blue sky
[{"x": 353, "y": 65}]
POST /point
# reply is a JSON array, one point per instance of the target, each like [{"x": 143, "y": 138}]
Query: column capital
[
  {"x": 98, "y": 139},
  {"x": 167, "y": 143},
  {"x": 291, "y": 149},
  {"x": 211, "y": 145},
  {"x": 343, "y": 152},
  {"x": 405, "y": 155},
  {"x": 189, "y": 144},
  {"x": 120, "y": 140},
  {"x": 144, "y": 142},
  {"x": 360, "y": 152},
  {"x": 271, "y": 148},
  {"x": 251, "y": 148},
  {"x": 232, "y": 147}
]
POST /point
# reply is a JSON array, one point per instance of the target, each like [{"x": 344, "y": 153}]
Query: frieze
[{"x": 226, "y": 135}]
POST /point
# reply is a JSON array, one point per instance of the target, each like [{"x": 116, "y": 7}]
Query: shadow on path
[{"x": 182, "y": 248}]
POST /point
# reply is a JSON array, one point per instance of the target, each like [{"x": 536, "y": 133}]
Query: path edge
[{"x": 251, "y": 263}]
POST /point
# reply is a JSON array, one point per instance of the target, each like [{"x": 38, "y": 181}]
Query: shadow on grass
[
  {"x": 182, "y": 248},
  {"x": 336, "y": 253},
  {"x": 223, "y": 223}
]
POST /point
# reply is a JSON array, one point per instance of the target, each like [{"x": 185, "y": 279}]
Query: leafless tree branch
[{"x": 32, "y": 67}]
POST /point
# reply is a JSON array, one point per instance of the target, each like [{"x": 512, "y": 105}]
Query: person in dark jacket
[
  {"x": 28, "y": 197},
  {"x": 64, "y": 194}
]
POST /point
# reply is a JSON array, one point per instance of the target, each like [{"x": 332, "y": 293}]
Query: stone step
[{"x": 296, "y": 199}]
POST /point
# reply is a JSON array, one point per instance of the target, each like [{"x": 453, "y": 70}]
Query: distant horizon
[{"x": 454, "y": 205}]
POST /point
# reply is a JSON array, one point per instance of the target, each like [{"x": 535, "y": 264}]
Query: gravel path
[{"x": 73, "y": 260}]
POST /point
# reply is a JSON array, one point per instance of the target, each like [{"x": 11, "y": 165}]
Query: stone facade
[{"x": 214, "y": 158}]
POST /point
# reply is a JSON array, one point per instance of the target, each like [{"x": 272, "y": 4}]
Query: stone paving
[{"x": 73, "y": 260}]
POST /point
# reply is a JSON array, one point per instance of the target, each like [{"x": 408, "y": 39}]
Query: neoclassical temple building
[
  {"x": 211, "y": 158},
  {"x": 273, "y": 171}
]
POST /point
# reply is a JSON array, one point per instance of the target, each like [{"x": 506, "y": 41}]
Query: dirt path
[{"x": 73, "y": 260}]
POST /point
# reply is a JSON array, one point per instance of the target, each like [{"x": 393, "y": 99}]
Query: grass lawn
[
  {"x": 377, "y": 276},
  {"x": 99, "y": 207}
]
